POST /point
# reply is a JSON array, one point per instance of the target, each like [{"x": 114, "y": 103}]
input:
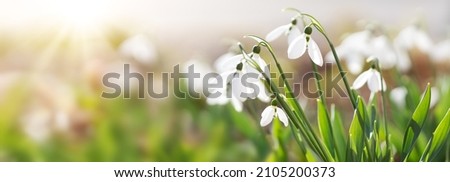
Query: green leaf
[
  {"x": 358, "y": 129},
  {"x": 356, "y": 136},
  {"x": 339, "y": 135},
  {"x": 325, "y": 127},
  {"x": 439, "y": 139},
  {"x": 415, "y": 124}
]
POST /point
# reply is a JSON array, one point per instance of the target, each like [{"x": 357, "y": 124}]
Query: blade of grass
[
  {"x": 356, "y": 137},
  {"x": 325, "y": 127},
  {"x": 415, "y": 124},
  {"x": 438, "y": 140},
  {"x": 339, "y": 136}
]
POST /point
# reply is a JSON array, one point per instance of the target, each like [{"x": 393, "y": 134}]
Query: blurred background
[{"x": 54, "y": 53}]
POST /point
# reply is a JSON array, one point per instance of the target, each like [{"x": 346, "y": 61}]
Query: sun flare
[{"x": 81, "y": 14}]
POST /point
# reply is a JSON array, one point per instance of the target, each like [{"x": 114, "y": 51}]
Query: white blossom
[
  {"x": 302, "y": 43},
  {"x": 373, "y": 79},
  {"x": 291, "y": 30},
  {"x": 398, "y": 96},
  {"x": 441, "y": 52},
  {"x": 356, "y": 47},
  {"x": 139, "y": 48},
  {"x": 270, "y": 113}
]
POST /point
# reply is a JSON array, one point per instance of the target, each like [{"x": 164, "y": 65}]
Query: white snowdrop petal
[
  {"x": 226, "y": 77},
  {"x": 361, "y": 79},
  {"x": 434, "y": 96},
  {"x": 355, "y": 63},
  {"x": 222, "y": 61},
  {"x": 294, "y": 33},
  {"x": 230, "y": 63},
  {"x": 374, "y": 81},
  {"x": 297, "y": 47},
  {"x": 238, "y": 89},
  {"x": 219, "y": 99},
  {"x": 314, "y": 52},
  {"x": 260, "y": 61},
  {"x": 262, "y": 94},
  {"x": 441, "y": 51},
  {"x": 384, "y": 85},
  {"x": 237, "y": 104},
  {"x": 404, "y": 62},
  {"x": 423, "y": 41},
  {"x": 267, "y": 116},
  {"x": 277, "y": 32},
  {"x": 282, "y": 116},
  {"x": 398, "y": 96}
]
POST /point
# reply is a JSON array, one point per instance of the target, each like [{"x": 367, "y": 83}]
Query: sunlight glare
[{"x": 82, "y": 14}]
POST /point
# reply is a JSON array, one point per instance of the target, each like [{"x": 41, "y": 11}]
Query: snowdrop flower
[
  {"x": 441, "y": 52},
  {"x": 353, "y": 49},
  {"x": 434, "y": 96},
  {"x": 230, "y": 91},
  {"x": 271, "y": 112},
  {"x": 383, "y": 49},
  {"x": 409, "y": 38},
  {"x": 235, "y": 90},
  {"x": 139, "y": 48},
  {"x": 356, "y": 47},
  {"x": 398, "y": 96},
  {"x": 224, "y": 65},
  {"x": 198, "y": 67},
  {"x": 413, "y": 37},
  {"x": 291, "y": 30},
  {"x": 299, "y": 45},
  {"x": 222, "y": 61},
  {"x": 373, "y": 79}
]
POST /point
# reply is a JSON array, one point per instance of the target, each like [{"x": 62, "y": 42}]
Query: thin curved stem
[{"x": 383, "y": 107}]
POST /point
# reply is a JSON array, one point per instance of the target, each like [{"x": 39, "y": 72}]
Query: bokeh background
[{"x": 54, "y": 53}]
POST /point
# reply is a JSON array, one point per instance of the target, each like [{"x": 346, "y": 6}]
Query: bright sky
[{"x": 179, "y": 19}]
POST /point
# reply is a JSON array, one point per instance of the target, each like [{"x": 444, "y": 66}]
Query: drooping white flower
[
  {"x": 304, "y": 42},
  {"x": 382, "y": 48},
  {"x": 441, "y": 51},
  {"x": 139, "y": 48},
  {"x": 373, "y": 79},
  {"x": 234, "y": 89},
  {"x": 398, "y": 96},
  {"x": 229, "y": 64},
  {"x": 434, "y": 96},
  {"x": 356, "y": 47},
  {"x": 222, "y": 62},
  {"x": 413, "y": 37},
  {"x": 291, "y": 30},
  {"x": 236, "y": 85},
  {"x": 231, "y": 90},
  {"x": 407, "y": 39},
  {"x": 200, "y": 67},
  {"x": 270, "y": 113},
  {"x": 353, "y": 50}
]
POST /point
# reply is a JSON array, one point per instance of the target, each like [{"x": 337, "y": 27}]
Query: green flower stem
[
  {"x": 316, "y": 75},
  {"x": 305, "y": 129},
  {"x": 341, "y": 71},
  {"x": 333, "y": 50},
  {"x": 301, "y": 113},
  {"x": 383, "y": 107}
]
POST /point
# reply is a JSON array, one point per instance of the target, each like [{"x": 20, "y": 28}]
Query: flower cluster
[
  {"x": 358, "y": 46},
  {"x": 232, "y": 72}
]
